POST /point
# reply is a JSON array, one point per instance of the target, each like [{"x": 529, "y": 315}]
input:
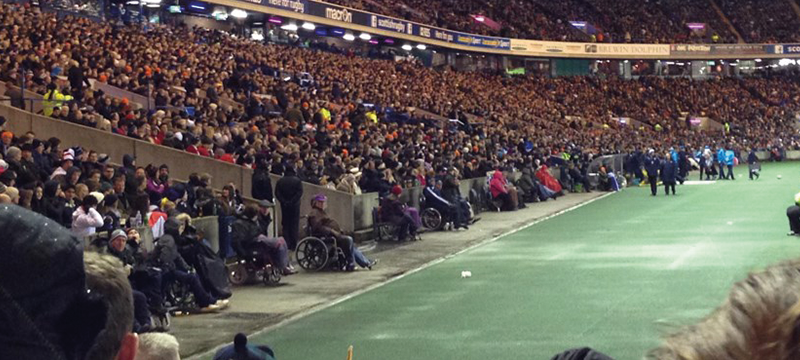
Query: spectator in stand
[
  {"x": 289, "y": 192},
  {"x": 86, "y": 218}
]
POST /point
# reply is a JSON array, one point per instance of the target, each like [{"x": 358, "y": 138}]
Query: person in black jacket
[
  {"x": 652, "y": 164},
  {"x": 262, "y": 184},
  {"x": 753, "y": 165},
  {"x": 289, "y": 192},
  {"x": 247, "y": 235},
  {"x": 174, "y": 267},
  {"x": 669, "y": 174},
  {"x": 54, "y": 203}
]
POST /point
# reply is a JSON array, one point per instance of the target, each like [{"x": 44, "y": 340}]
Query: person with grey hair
[{"x": 158, "y": 346}]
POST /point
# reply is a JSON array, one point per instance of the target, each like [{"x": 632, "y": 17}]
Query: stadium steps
[{"x": 726, "y": 20}]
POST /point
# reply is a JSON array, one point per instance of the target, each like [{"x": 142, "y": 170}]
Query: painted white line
[
  {"x": 693, "y": 182},
  {"x": 342, "y": 299},
  {"x": 685, "y": 256}
]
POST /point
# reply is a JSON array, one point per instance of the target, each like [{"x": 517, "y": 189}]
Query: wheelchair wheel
[
  {"x": 312, "y": 254},
  {"x": 272, "y": 275},
  {"x": 238, "y": 274},
  {"x": 180, "y": 298},
  {"x": 387, "y": 232},
  {"x": 431, "y": 219}
]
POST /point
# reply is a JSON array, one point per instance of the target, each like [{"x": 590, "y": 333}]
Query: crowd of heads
[
  {"x": 340, "y": 115},
  {"x": 763, "y": 21}
]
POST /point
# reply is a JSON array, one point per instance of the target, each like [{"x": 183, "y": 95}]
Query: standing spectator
[
  {"x": 752, "y": 163},
  {"x": 289, "y": 192},
  {"x": 669, "y": 174},
  {"x": 721, "y": 162},
  {"x": 652, "y": 165},
  {"x": 730, "y": 160},
  {"x": 262, "y": 184}
]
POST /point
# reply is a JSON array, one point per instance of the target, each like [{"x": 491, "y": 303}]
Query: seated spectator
[
  {"x": 394, "y": 211},
  {"x": 247, "y": 235},
  {"x": 158, "y": 346},
  {"x": 322, "y": 225},
  {"x": 502, "y": 192},
  {"x": 174, "y": 267},
  {"x": 241, "y": 351}
]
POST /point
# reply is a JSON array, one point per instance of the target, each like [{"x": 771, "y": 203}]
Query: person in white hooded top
[{"x": 86, "y": 218}]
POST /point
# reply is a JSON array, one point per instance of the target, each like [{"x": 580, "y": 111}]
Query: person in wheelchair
[
  {"x": 174, "y": 268},
  {"x": 247, "y": 236},
  {"x": 394, "y": 211},
  {"x": 323, "y": 226},
  {"x": 434, "y": 199},
  {"x": 145, "y": 283}
]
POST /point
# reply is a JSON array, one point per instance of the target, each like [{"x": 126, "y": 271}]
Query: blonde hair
[{"x": 760, "y": 320}]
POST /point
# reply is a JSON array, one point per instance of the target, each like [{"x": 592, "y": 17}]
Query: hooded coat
[
  {"x": 166, "y": 254},
  {"x": 45, "y": 311},
  {"x": 55, "y": 206}
]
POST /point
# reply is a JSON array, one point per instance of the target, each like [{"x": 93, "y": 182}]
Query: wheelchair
[
  {"x": 433, "y": 219},
  {"x": 251, "y": 266},
  {"x": 384, "y": 230},
  {"x": 179, "y": 299},
  {"x": 319, "y": 253}
]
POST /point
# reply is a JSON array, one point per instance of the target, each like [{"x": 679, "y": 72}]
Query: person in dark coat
[
  {"x": 241, "y": 351},
  {"x": 669, "y": 174},
  {"x": 47, "y": 312},
  {"x": 262, "y": 184},
  {"x": 247, "y": 235},
  {"x": 652, "y": 165},
  {"x": 289, "y": 192},
  {"x": 793, "y": 213},
  {"x": 54, "y": 203},
  {"x": 683, "y": 165},
  {"x": 167, "y": 257},
  {"x": 752, "y": 163}
]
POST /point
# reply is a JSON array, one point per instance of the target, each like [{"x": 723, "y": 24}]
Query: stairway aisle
[{"x": 730, "y": 24}]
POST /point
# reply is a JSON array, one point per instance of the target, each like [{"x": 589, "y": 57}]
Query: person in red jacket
[{"x": 500, "y": 190}]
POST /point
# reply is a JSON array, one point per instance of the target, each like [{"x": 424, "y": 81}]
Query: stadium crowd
[
  {"x": 334, "y": 117},
  {"x": 655, "y": 21},
  {"x": 340, "y": 121}
]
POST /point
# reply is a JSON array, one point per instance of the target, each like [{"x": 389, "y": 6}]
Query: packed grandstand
[{"x": 309, "y": 118}]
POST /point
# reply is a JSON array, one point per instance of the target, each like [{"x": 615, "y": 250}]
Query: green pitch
[{"x": 614, "y": 275}]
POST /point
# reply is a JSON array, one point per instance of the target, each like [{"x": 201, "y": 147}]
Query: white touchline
[{"x": 342, "y": 299}]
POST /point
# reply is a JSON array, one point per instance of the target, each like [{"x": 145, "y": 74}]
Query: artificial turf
[{"x": 615, "y": 275}]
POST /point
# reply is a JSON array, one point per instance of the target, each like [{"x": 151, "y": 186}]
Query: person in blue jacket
[
  {"x": 652, "y": 164},
  {"x": 730, "y": 159},
  {"x": 721, "y": 162},
  {"x": 669, "y": 174}
]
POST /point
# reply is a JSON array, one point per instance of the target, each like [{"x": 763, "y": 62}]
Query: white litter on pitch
[{"x": 466, "y": 274}]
